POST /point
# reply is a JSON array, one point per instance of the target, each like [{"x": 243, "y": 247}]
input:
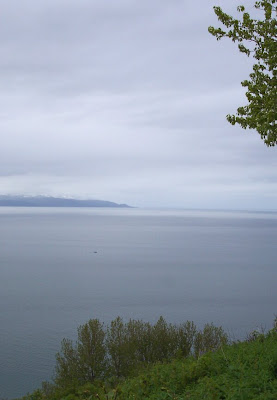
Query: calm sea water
[{"x": 60, "y": 267}]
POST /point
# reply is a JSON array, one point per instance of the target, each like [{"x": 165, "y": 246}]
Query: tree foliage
[
  {"x": 241, "y": 370},
  {"x": 256, "y": 37},
  {"x": 122, "y": 348},
  {"x": 86, "y": 360}
]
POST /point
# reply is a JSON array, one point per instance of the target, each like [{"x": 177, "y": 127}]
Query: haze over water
[{"x": 60, "y": 267}]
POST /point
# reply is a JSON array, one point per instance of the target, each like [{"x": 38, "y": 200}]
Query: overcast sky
[{"x": 125, "y": 100}]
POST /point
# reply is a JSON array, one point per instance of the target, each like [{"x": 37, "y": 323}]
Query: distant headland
[{"x": 48, "y": 201}]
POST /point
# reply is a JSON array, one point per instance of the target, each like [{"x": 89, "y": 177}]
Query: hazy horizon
[{"x": 273, "y": 210}]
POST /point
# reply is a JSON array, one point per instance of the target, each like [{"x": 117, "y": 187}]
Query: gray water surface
[{"x": 60, "y": 267}]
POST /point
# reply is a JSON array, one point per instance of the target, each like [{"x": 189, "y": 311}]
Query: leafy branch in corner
[{"x": 258, "y": 38}]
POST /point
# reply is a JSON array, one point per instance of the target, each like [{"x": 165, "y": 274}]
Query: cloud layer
[{"x": 126, "y": 101}]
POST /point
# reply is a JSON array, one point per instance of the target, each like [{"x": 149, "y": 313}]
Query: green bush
[
  {"x": 121, "y": 349},
  {"x": 140, "y": 361},
  {"x": 209, "y": 339},
  {"x": 246, "y": 370},
  {"x": 86, "y": 360}
]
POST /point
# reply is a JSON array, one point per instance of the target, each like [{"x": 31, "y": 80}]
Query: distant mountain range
[{"x": 45, "y": 201}]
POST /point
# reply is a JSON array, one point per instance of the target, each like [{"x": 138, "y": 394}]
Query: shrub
[
  {"x": 209, "y": 339},
  {"x": 85, "y": 361}
]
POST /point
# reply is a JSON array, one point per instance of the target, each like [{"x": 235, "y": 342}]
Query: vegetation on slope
[{"x": 212, "y": 369}]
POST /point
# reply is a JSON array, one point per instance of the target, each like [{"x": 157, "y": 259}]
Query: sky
[{"x": 126, "y": 101}]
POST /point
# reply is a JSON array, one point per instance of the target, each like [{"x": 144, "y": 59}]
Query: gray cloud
[{"x": 126, "y": 101}]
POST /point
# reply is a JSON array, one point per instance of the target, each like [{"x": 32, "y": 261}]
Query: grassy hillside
[{"x": 244, "y": 370}]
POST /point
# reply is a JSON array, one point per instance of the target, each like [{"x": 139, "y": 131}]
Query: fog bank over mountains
[{"x": 47, "y": 201}]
